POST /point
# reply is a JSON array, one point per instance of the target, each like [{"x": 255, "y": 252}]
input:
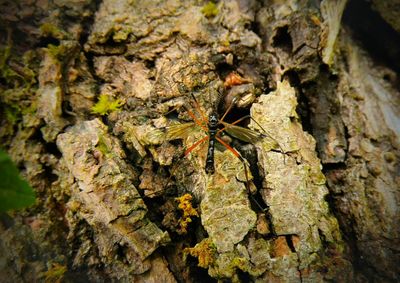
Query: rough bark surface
[{"x": 315, "y": 199}]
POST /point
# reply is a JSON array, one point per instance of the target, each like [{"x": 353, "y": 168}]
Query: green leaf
[{"x": 15, "y": 192}]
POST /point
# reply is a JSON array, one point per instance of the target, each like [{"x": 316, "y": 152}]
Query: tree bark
[{"x": 310, "y": 194}]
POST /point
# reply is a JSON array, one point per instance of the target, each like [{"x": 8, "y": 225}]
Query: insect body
[
  {"x": 212, "y": 132},
  {"x": 213, "y": 127}
]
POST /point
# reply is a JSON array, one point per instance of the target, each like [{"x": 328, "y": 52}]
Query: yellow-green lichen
[
  {"x": 16, "y": 100},
  {"x": 57, "y": 51},
  {"x": 55, "y": 274},
  {"x": 50, "y": 30},
  {"x": 106, "y": 105},
  {"x": 7, "y": 73},
  {"x": 210, "y": 10},
  {"x": 103, "y": 147},
  {"x": 205, "y": 251},
  {"x": 16, "y": 72},
  {"x": 31, "y": 109},
  {"x": 12, "y": 113},
  {"x": 4, "y": 55},
  {"x": 185, "y": 204},
  {"x": 122, "y": 34},
  {"x": 11, "y": 106},
  {"x": 240, "y": 263}
]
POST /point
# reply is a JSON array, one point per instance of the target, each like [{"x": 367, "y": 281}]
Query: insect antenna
[{"x": 266, "y": 134}]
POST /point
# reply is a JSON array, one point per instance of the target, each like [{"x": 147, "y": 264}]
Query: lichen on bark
[{"x": 108, "y": 185}]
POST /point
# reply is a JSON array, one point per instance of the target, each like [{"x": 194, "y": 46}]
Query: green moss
[
  {"x": 55, "y": 273},
  {"x": 31, "y": 109},
  {"x": 103, "y": 147},
  {"x": 17, "y": 95},
  {"x": 210, "y": 10},
  {"x": 57, "y": 52},
  {"x": 240, "y": 263},
  {"x": 12, "y": 114},
  {"x": 50, "y": 30},
  {"x": 106, "y": 105},
  {"x": 25, "y": 76},
  {"x": 4, "y": 55},
  {"x": 8, "y": 74}
]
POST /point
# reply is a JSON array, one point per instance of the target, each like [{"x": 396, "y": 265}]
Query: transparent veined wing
[
  {"x": 173, "y": 132},
  {"x": 243, "y": 134},
  {"x": 180, "y": 131}
]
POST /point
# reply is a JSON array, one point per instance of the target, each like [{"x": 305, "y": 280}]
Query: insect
[{"x": 214, "y": 127}]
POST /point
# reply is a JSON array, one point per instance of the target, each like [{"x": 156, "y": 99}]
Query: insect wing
[
  {"x": 180, "y": 131},
  {"x": 243, "y": 134}
]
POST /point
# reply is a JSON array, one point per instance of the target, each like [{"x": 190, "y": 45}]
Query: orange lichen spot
[
  {"x": 185, "y": 204},
  {"x": 204, "y": 251},
  {"x": 262, "y": 224},
  {"x": 295, "y": 241},
  {"x": 234, "y": 79},
  {"x": 280, "y": 247}
]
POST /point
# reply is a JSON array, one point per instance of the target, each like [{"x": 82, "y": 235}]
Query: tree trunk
[{"x": 100, "y": 100}]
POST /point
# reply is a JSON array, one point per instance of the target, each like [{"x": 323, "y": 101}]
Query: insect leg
[
  {"x": 228, "y": 109},
  {"x": 198, "y": 108},
  {"x": 246, "y": 172},
  {"x": 193, "y": 146},
  {"x": 265, "y": 132},
  {"x": 236, "y": 122},
  {"x": 231, "y": 149},
  {"x": 199, "y": 123}
]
